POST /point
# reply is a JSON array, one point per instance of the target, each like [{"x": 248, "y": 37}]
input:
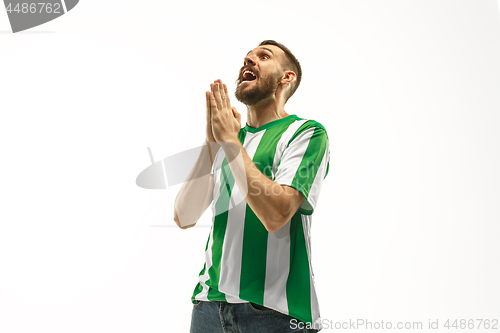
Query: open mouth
[{"x": 248, "y": 75}]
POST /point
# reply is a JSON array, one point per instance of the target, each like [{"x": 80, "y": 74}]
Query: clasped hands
[{"x": 223, "y": 121}]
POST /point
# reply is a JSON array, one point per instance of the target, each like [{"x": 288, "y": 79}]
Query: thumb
[{"x": 236, "y": 114}]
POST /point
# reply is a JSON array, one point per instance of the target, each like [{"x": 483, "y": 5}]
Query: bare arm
[{"x": 195, "y": 194}]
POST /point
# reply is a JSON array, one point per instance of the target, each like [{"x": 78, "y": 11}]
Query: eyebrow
[{"x": 263, "y": 48}]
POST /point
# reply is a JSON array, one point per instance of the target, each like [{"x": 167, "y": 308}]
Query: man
[{"x": 263, "y": 181}]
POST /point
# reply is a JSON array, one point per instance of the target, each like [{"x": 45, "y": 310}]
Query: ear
[{"x": 288, "y": 77}]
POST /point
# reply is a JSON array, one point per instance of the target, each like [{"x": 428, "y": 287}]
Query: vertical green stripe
[
  {"x": 298, "y": 286},
  {"x": 215, "y": 295},
  {"x": 208, "y": 239},
  {"x": 199, "y": 287},
  {"x": 197, "y": 290},
  {"x": 254, "y": 252},
  {"x": 253, "y": 260},
  {"x": 327, "y": 168},
  {"x": 311, "y": 161},
  {"x": 220, "y": 224}
]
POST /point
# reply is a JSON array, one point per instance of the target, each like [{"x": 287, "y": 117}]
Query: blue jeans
[{"x": 223, "y": 317}]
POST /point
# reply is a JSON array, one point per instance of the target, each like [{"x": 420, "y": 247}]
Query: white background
[{"x": 407, "y": 226}]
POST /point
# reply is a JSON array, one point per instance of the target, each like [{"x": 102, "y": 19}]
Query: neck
[{"x": 264, "y": 112}]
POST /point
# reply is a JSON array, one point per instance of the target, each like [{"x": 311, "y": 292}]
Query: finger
[
  {"x": 207, "y": 97},
  {"x": 217, "y": 96},
  {"x": 213, "y": 105},
  {"x": 222, "y": 94},
  {"x": 213, "y": 85},
  {"x": 227, "y": 102},
  {"x": 236, "y": 114}
]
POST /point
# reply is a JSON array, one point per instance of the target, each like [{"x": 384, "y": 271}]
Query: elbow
[
  {"x": 184, "y": 226},
  {"x": 271, "y": 229},
  {"x": 187, "y": 226},
  {"x": 275, "y": 224},
  {"x": 279, "y": 220},
  {"x": 178, "y": 222}
]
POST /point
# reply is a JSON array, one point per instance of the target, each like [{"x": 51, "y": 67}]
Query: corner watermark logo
[{"x": 25, "y": 15}]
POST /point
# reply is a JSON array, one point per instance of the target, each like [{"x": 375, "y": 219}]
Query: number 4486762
[
  {"x": 35, "y": 8},
  {"x": 472, "y": 324}
]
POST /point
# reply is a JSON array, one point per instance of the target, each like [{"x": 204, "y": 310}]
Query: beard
[{"x": 265, "y": 87}]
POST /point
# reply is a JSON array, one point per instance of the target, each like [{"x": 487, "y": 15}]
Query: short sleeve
[{"x": 305, "y": 163}]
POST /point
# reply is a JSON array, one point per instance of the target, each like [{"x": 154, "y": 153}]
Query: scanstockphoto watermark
[
  {"x": 307, "y": 172},
  {"x": 193, "y": 168},
  {"x": 431, "y": 324},
  {"x": 176, "y": 169},
  {"x": 356, "y": 324}
]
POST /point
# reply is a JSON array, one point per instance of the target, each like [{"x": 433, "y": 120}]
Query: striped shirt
[{"x": 243, "y": 261}]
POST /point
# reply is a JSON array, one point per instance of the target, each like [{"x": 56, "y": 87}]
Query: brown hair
[{"x": 291, "y": 63}]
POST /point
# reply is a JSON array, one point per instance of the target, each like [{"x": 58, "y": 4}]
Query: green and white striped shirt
[{"x": 243, "y": 261}]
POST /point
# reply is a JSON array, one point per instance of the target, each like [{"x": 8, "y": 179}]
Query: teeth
[{"x": 247, "y": 71}]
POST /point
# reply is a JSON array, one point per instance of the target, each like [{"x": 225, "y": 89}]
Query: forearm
[
  {"x": 195, "y": 193},
  {"x": 270, "y": 201}
]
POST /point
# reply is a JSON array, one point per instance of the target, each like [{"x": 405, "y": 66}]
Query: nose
[{"x": 248, "y": 61}]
